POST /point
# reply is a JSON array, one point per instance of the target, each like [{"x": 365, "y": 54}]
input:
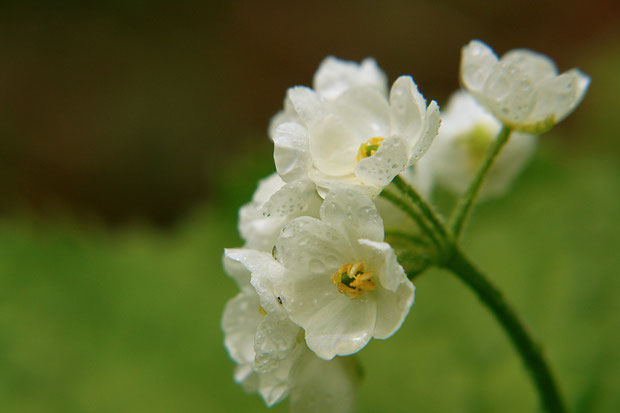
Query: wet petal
[
  {"x": 310, "y": 246},
  {"x": 477, "y": 63},
  {"x": 335, "y": 76},
  {"x": 291, "y": 153},
  {"x": 381, "y": 168},
  {"x": 408, "y": 108},
  {"x": 353, "y": 213},
  {"x": 333, "y": 147}
]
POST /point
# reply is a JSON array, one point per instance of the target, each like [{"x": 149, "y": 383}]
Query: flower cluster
[{"x": 317, "y": 278}]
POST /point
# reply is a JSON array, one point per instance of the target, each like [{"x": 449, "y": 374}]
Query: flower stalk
[
  {"x": 527, "y": 348},
  {"x": 464, "y": 205}
]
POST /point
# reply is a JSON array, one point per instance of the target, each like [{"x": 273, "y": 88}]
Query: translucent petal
[
  {"x": 477, "y": 63},
  {"x": 276, "y": 384},
  {"x": 556, "y": 98},
  {"x": 333, "y": 147},
  {"x": 353, "y": 213},
  {"x": 364, "y": 111},
  {"x": 310, "y": 246},
  {"x": 392, "y": 308},
  {"x": 381, "y": 168},
  {"x": 323, "y": 386},
  {"x": 239, "y": 321},
  {"x": 536, "y": 66},
  {"x": 408, "y": 108},
  {"x": 290, "y": 152},
  {"x": 275, "y": 338},
  {"x": 246, "y": 377},
  {"x": 509, "y": 94},
  {"x": 335, "y": 76}
]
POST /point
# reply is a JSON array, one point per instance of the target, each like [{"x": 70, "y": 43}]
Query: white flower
[
  {"x": 260, "y": 339},
  {"x": 348, "y": 130},
  {"x": 273, "y": 205},
  {"x": 334, "y": 276},
  {"x": 332, "y": 78},
  {"x": 523, "y": 88},
  {"x": 466, "y": 132}
]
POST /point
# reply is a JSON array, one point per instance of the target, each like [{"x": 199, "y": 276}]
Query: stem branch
[
  {"x": 461, "y": 212},
  {"x": 528, "y": 350}
]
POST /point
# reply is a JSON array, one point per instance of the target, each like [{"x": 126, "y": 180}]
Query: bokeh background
[{"x": 131, "y": 132}]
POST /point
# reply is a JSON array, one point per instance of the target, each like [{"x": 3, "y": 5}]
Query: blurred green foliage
[{"x": 94, "y": 320}]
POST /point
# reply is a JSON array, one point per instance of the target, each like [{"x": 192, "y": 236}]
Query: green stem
[
  {"x": 412, "y": 238},
  {"x": 426, "y": 209},
  {"x": 411, "y": 212},
  {"x": 457, "y": 221},
  {"x": 529, "y": 351}
]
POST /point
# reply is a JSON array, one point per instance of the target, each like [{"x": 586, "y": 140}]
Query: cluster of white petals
[
  {"x": 316, "y": 279},
  {"x": 467, "y": 131},
  {"x": 522, "y": 89},
  {"x": 349, "y": 129}
]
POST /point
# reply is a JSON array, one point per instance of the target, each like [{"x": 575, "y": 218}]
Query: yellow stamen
[
  {"x": 369, "y": 148},
  {"x": 262, "y": 311},
  {"x": 352, "y": 281}
]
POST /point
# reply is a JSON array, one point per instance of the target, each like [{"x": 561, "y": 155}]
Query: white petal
[
  {"x": 334, "y": 76},
  {"x": 432, "y": 121},
  {"x": 257, "y": 230},
  {"x": 239, "y": 321},
  {"x": 382, "y": 261},
  {"x": 394, "y": 295},
  {"x": 310, "y": 107},
  {"x": 390, "y": 159},
  {"x": 287, "y": 114},
  {"x": 557, "y": 98},
  {"x": 509, "y": 94},
  {"x": 298, "y": 198},
  {"x": 275, "y": 339},
  {"x": 353, "y": 213},
  {"x": 364, "y": 111},
  {"x": 237, "y": 272},
  {"x": 340, "y": 328},
  {"x": 536, "y": 66},
  {"x": 334, "y": 324},
  {"x": 267, "y": 276},
  {"x": 477, "y": 62},
  {"x": 310, "y": 246},
  {"x": 408, "y": 108},
  {"x": 290, "y": 151},
  {"x": 392, "y": 309},
  {"x": 333, "y": 147}
]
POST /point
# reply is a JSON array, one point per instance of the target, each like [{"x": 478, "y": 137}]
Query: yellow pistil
[
  {"x": 369, "y": 148},
  {"x": 352, "y": 281}
]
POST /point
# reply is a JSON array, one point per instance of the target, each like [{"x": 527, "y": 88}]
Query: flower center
[
  {"x": 369, "y": 148},
  {"x": 476, "y": 142},
  {"x": 352, "y": 281}
]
